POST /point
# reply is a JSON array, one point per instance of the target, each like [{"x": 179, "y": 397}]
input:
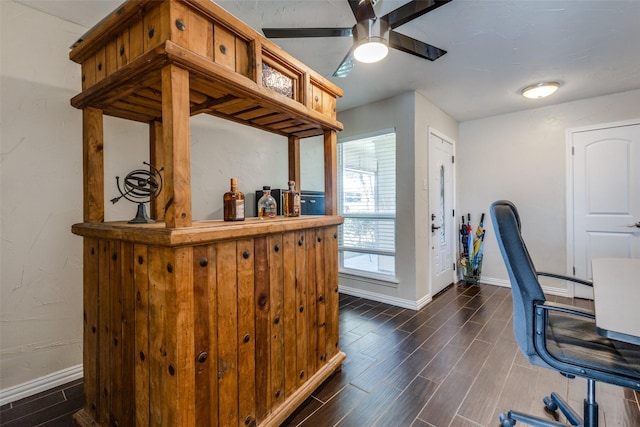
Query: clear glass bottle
[
  {"x": 234, "y": 203},
  {"x": 267, "y": 207},
  {"x": 291, "y": 201}
]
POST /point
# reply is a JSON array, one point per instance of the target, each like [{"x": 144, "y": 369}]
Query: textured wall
[
  {"x": 410, "y": 114},
  {"x": 522, "y": 157},
  {"x": 41, "y": 298}
]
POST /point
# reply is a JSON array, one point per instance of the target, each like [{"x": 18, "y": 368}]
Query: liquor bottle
[
  {"x": 234, "y": 203},
  {"x": 267, "y": 207},
  {"x": 292, "y": 201}
]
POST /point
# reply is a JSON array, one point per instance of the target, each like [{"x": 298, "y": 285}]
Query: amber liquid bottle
[
  {"x": 291, "y": 201},
  {"x": 234, "y": 203}
]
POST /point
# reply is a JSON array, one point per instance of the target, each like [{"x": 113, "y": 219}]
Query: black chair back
[
  {"x": 525, "y": 287},
  {"x": 558, "y": 336}
]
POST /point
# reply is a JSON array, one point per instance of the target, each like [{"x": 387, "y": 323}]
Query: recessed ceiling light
[{"x": 540, "y": 90}]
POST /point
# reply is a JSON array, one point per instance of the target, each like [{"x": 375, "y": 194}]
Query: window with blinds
[{"x": 367, "y": 201}]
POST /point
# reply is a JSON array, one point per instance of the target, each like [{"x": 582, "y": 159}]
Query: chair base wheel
[
  {"x": 550, "y": 404},
  {"x": 553, "y": 401},
  {"x": 551, "y": 407},
  {"x": 506, "y": 420}
]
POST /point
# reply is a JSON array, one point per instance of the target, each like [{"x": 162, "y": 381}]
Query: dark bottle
[{"x": 234, "y": 203}]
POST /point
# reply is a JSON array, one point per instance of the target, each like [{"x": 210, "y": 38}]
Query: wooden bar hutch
[{"x": 194, "y": 323}]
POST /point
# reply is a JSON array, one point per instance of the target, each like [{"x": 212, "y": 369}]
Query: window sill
[{"x": 376, "y": 279}]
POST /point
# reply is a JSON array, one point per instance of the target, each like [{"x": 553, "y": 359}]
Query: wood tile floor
[
  {"x": 51, "y": 408},
  {"x": 453, "y": 363}
]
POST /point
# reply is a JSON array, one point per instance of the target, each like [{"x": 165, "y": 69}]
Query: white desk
[{"x": 616, "y": 291}]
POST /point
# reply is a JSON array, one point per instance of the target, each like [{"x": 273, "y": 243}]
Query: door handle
[
  {"x": 433, "y": 227},
  {"x": 637, "y": 225}
]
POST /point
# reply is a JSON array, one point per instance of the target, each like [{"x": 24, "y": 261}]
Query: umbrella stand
[
  {"x": 471, "y": 251},
  {"x": 470, "y": 274}
]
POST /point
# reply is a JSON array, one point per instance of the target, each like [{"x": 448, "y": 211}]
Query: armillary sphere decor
[{"x": 138, "y": 185}]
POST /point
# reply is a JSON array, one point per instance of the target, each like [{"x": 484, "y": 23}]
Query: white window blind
[{"x": 367, "y": 201}]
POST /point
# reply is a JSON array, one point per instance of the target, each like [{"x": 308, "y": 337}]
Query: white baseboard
[
  {"x": 398, "y": 302},
  {"x": 20, "y": 391},
  {"x": 550, "y": 290},
  {"x": 417, "y": 305},
  {"x": 495, "y": 282}
]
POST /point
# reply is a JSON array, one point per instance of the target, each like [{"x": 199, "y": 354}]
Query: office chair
[{"x": 558, "y": 336}]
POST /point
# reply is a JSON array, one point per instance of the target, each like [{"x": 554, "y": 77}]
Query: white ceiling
[{"x": 495, "y": 48}]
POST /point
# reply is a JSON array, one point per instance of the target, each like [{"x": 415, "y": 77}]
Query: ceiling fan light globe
[{"x": 371, "y": 51}]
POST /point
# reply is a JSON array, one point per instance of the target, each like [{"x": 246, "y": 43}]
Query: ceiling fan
[{"x": 372, "y": 36}]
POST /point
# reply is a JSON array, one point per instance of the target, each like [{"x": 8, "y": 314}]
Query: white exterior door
[
  {"x": 606, "y": 196},
  {"x": 441, "y": 219}
]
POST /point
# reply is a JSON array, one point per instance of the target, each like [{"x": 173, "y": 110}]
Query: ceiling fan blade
[
  {"x": 414, "y": 47},
  {"x": 362, "y": 9},
  {"x": 346, "y": 65},
  {"x": 290, "y": 33},
  {"x": 411, "y": 10}
]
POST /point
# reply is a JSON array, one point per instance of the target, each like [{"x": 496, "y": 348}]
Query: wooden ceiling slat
[
  {"x": 299, "y": 128},
  {"x": 238, "y": 107},
  {"x": 255, "y": 113},
  {"x": 206, "y": 87},
  {"x": 211, "y": 103},
  {"x": 308, "y": 133},
  {"x": 125, "y": 105},
  {"x": 196, "y": 97},
  {"x": 274, "y": 118},
  {"x": 285, "y": 124},
  {"x": 150, "y": 93},
  {"x": 143, "y": 101},
  {"x": 128, "y": 114},
  {"x": 246, "y": 123}
]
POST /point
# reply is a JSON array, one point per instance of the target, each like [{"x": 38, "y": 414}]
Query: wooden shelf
[
  {"x": 200, "y": 232},
  {"x": 121, "y": 70},
  {"x": 214, "y": 90},
  {"x": 161, "y": 62}
]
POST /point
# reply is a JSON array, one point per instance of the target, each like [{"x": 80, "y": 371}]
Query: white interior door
[
  {"x": 606, "y": 196},
  {"x": 441, "y": 220}
]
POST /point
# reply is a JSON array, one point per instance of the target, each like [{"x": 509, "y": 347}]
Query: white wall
[
  {"x": 312, "y": 164},
  {"x": 521, "y": 157},
  {"x": 41, "y": 179},
  {"x": 41, "y": 276},
  {"x": 410, "y": 114}
]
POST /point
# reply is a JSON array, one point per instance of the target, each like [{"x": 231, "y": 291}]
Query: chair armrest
[
  {"x": 563, "y": 277},
  {"x": 568, "y": 309}
]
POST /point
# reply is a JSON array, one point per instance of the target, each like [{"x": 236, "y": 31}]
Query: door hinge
[
  {"x": 573, "y": 150},
  {"x": 453, "y": 159},
  {"x": 454, "y": 266},
  {"x": 574, "y": 270},
  {"x": 453, "y": 213}
]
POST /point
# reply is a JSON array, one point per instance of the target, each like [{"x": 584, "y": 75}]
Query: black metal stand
[{"x": 141, "y": 216}]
